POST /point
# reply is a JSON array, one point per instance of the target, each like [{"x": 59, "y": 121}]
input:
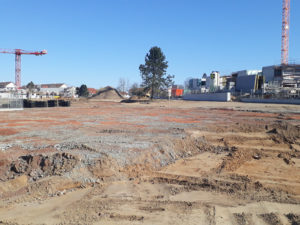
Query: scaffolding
[
  {"x": 11, "y": 101},
  {"x": 276, "y": 90}
]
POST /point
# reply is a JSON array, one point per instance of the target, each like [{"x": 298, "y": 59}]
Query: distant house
[
  {"x": 52, "y": 88},
  {"x": 7, "y": 86},
  {"x": 92, "y": 91},
  {"x": 70, "y": 92}
]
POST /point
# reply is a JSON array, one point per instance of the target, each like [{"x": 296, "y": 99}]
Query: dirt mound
[
  {"x": 104, "y": 168},
  {"x": 241, "y": 187},
  {"x": 243, "y": 218},
  {"x": 294, "y": 219},
  {"x": 38, "y": 166},
  {"x": 271, "y": 218},
  {"x": 285, "y": 132},
  {"x": 108, "y": 93}
]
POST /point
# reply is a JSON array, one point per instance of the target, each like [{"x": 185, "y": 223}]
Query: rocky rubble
[
  {"x": 72, "y": 145},
  {"x": 4, "y": 147},
  {"x": 38, "y": 166}
]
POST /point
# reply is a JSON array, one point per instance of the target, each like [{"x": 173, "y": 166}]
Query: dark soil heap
[{"x": 108, "y": 93}]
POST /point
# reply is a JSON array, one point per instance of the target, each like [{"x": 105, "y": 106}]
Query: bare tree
[
  {"x": 122, "y": 85},
  {"x": 127, "y": 85}
]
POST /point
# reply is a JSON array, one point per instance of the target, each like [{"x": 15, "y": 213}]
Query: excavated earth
[{"x": 165, "y": 162}]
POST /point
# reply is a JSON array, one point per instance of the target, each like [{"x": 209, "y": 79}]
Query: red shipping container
[{"x": 177, "y": 92}]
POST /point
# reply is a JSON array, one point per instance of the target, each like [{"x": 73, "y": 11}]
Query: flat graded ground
[{"x": 177, "y": 162}]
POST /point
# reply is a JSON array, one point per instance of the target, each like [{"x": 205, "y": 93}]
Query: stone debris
[
  {"x": 4, "y": 147},
  {"x": 38, "y": 166}
]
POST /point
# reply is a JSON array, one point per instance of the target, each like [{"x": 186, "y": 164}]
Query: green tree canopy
[
  {"x": 154, "y": 70},
  {"x": 30, "y": 85},
  {"x": 83, "y": 91}
]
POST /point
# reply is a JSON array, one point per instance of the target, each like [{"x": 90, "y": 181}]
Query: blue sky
[{"x": 96, "y": 42}]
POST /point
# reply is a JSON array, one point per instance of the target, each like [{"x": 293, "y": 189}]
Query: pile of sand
[{"x": 108, "y": 93}]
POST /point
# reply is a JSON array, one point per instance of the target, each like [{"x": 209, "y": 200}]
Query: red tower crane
[
  {"x": 18, "y": 53},
  {"x": 285, "y": 32}
]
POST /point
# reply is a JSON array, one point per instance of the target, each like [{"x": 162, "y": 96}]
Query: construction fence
[{"x": 11, "y": 104}]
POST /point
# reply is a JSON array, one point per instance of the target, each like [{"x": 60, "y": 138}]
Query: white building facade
[
  {"x": 52, "y": 89},
  {"x": 7, "y": 87}
]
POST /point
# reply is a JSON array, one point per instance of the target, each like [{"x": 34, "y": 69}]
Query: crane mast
[
  {"x": 18, "y": 70},
  {"x": 285, "y": 32}
]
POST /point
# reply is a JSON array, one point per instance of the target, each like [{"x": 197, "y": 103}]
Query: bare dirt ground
[{"x": 165, "y": 162}]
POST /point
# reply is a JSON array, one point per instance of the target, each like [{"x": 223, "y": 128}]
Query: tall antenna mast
[{"x": 285, "y": 32}]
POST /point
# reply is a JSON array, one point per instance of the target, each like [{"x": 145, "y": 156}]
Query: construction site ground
[{"x": 167, "y": 162}]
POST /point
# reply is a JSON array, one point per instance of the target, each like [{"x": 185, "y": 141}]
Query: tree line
[{"x": 155, "y": 79}]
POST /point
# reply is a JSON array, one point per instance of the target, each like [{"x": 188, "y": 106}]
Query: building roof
[
  {"x": 58, "y": 85},
  {"x": 4, "y": 84},
  {"x": 92, "y": 90}
]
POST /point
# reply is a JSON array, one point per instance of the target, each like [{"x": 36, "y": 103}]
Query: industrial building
[
  {"x": 196, "y": 83},
  {"x": 249, "y": 84},
  {"x": 286, "y": 75},
  {"x": 246, "y": 73},
  {"x": 213, "y": 81},
  {"x": 207, "y": 88},
  {"x": 247, "y": 81}
]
